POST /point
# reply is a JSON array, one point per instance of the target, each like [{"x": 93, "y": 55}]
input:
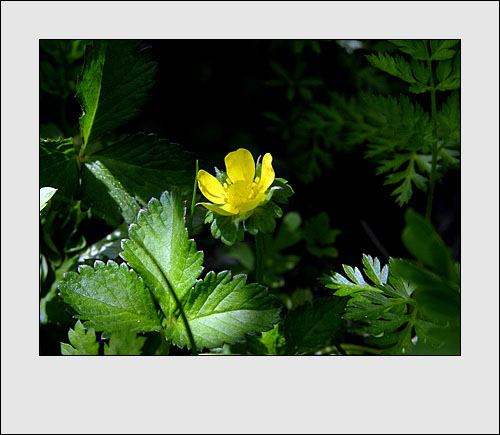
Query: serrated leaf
[
  {"x": 396, "y": 66},
  {"x": 221, "y": 309},
  {"x": 115, "y": 82},
  {"x": 124, "y": 343},
  {"x": 311, "y": 325},
  {"x": 120, "y": 178},
  {"x": 46, "y": 193},
  {"x": 58, "y": 167},
  {"x": 82, "y": 342},
  {"x": 159, "y": 250},
  {"x": 111, "y": 298}
]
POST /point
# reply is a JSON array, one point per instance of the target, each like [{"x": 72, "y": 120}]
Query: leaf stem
[
  {"x": 193, "y": 201},
  {"x": 432, "y": 181},
  {"x": 259, "y": 258}
]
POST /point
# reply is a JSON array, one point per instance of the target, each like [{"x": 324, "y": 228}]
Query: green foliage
[
  {"x": 58, "y": 167},
  {"x": 124, "y": 343},
  {"x": 159, "y": 250},
  {"x": 120, "y": 178},
  {"x": 408, "y": 308},
  {"x": 116, "y": 79},
  {"x": 111, "y": 298},
  {"x": 195, "y": 313},
  {"x": 418, "y": 73},
  {"x": 46, "y": 193},
  {"x": 82, "y": 342},
  {"x": 221, "y": 309},
  {"x": 116, "y": 175},
  {"x": 263, "y": 219},
  {"x": 312, "y": 325}
]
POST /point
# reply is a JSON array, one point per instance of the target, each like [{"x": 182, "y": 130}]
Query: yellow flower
[{"x": 242, "y": 192}]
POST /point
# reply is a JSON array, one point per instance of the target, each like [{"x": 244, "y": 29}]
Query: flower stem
[
  {"x": 259, "y": 257},
  {"x": 432, "y": 180}
]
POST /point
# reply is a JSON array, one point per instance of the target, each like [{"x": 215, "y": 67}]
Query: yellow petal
[
  {"x": 251, "y": 204},
  {"x": 224, "y": 210},
  {"x": 211, "y": 188},
  {"x": 240, "y": 166},
  {"x": 267, "y": 173}
]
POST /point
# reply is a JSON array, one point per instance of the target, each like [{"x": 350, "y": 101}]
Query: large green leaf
[
  {"x": 221, "y": 309},
  {"x": 312, "y": 325},
  {"x": 82, "y": 342},
  {"x": 116, "y": 79},
  {"x": 159, "y": 250},
  {"x": 58, "y": 167},
  {"x": 111, "y": 298},
  {"x": 118, "y": 179}
]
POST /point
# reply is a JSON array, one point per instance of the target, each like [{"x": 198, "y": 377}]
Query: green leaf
[
  {"x": 45, "y": 194},
  {"x": 111, "y": 298},
  {"x": 372, "y": 270},
  {"x": 312, "y": 325},
  {"x": 120, "y": 178},
  {"x": 114, "y": 85},
  {"x": 425, "y": 244},
  {"x": 221, "y": 309},
  {"x": 414, "y": 47},
  {"x": 124, "y": 343},
  {"x": 58, "y": 167},
  {"x": 82, "y": 343},
  {"x": 441, "y": 48},
  {"x": 346, "y": 287},
  {"x": 159, "y": 250},
  {"x": 396, "y": 66}
]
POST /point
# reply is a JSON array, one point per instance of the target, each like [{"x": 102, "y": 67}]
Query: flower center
[{"x": 240, "y": 192}]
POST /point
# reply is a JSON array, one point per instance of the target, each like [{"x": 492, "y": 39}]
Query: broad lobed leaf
[
  {"x": 116, "y": 79},
  {"x": 222, "y": 309},
  {"x": 159, "y": 250},
  {"x": 111, "y": 298}
]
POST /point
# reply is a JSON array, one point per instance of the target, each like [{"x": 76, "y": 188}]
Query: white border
[{"x": 245, "y": 395}]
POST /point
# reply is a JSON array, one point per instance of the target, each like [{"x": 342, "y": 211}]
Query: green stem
[
  {"x": 432, "y": 180},
  {"x": 193, "y": 201},
  {"x": 259, "y": 257}
]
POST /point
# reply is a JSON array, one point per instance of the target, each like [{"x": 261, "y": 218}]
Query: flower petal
[
  {"x": 253, "y": 203},
  {"x": 211, "y": 188},
  {"x": 224, "y": 210},
  {"x": 267, "y": 173},
  {"x": 240, "y": 165}
]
